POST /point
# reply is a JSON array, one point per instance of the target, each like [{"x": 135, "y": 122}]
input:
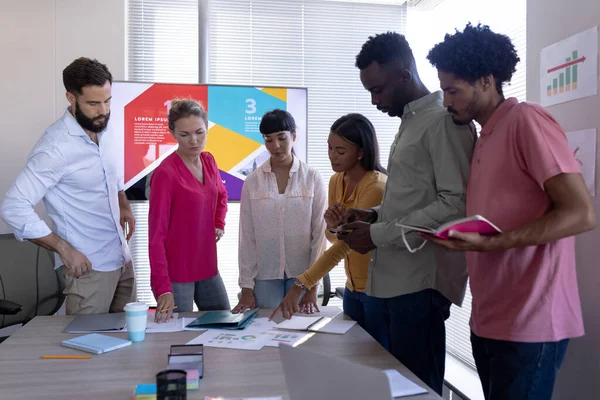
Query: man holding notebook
[
  {"x": 73, "y": 169},
  {"x": 524, "y": 179},
  {"x": 427, "y": 173}
]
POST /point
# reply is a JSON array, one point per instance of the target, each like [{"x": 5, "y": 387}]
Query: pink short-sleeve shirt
[{"x": 527, "y": 294}]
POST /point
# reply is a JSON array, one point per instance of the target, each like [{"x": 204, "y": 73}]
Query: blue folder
[
  {"x": 223, "y": 320},
  {"x": 96, "y": 343}
]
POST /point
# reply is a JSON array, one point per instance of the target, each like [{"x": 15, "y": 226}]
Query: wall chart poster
[
  {"x": 569, "y": 69},
  {"x": 139, "y": 115},
  {"x": 583, "y": 146}
]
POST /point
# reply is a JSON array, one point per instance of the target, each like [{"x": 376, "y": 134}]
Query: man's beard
[
  {"x": 89, "y": 123},
  {"x": 471, "y": 112}
]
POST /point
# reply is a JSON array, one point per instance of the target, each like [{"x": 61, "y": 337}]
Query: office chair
[
  {"x": 339, "y": 293},
  {"x": 29, "y": 285},
  {"x": 326, "y": 295}
]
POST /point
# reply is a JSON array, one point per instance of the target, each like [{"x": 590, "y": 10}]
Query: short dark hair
[
  {"x": 85, "y": 72},
  {"x": 384, "y": 48},
  {"x": 474, "y": 53},
  {"x": 277, "y": 121},
  {"x": 357, "y": 129},
  {"x": 183, "y": 108}
]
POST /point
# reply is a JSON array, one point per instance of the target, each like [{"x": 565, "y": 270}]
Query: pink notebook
[{"x": 473, "y": 224}]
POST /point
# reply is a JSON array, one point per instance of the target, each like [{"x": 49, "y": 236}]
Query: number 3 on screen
[{"x": 251, "y": 106}]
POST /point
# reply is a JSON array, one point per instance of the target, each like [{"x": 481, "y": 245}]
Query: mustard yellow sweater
[{"x": 367, "y": 193}]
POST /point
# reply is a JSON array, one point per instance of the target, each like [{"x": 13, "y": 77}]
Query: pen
[
  {"x": 66, "y": 357},
  {"x": 166, "y": 309}
]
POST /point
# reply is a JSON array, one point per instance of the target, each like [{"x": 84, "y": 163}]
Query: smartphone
[{"x": 187, "y": 356}]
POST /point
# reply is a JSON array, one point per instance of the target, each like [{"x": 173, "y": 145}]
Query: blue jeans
[
  {"x": 365, "y": 310},
  {"x": 269, "y": 293},
  {"x": 516, "y": 370},
  {"x": 415, "y": 325}
]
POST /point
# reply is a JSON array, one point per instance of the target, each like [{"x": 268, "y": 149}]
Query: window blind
[
  {"x": 163, "y": 41},
  {"x": 162, "y": 46},
  {"x": 509, "y": 17}
]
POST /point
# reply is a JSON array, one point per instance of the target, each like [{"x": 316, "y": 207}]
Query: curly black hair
[
  {"x": 384, "y": 48},
  {"x": 476, "y": 52}
]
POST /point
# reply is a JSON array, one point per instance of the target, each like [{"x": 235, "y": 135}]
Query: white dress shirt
[
  {"x": 79, "y": 183},
  {"x": 280, "y": 236}
]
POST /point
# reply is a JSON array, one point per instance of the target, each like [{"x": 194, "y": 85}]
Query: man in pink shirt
[{"x": 525, "y": 180}]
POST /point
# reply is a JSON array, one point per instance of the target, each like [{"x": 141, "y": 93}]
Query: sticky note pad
[
  {"x": 192, "y": 374},
  {"x": 191, "y": 385},
  {"x": 145, "y": 391},
  {"x": 193, "y": 379}
]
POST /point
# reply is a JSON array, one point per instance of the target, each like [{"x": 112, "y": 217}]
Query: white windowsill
[{"x": 463, "y": 378}]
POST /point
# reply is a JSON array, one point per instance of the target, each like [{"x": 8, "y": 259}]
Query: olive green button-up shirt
[{"x": 427, "y": 176}]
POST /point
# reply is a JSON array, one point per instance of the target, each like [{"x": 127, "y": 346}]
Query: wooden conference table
[{"x": 114, "y": 375}]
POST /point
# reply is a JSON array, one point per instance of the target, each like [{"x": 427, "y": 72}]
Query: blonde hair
[{"x": 183, "y": 108}]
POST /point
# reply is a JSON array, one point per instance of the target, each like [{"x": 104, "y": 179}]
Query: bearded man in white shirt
[{"x": 73, "y": 170}]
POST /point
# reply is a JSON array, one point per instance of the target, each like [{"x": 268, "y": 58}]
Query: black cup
[{"x": 171, "y": 384}]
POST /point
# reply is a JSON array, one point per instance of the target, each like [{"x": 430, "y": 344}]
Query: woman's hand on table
[
  {"x": 164, "y": 307},
  {"x": 289, "y": 305},
  {"x": 309, "y": 303},
  {"x": 247, "y": 301}
]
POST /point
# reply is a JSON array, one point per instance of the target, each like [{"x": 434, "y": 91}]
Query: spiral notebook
[
  {"x": 96, "y": 343},
  {"x": 337, "y": 326}
]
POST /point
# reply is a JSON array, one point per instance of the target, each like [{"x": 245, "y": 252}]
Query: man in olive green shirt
[{"x": 427, "y": 173}]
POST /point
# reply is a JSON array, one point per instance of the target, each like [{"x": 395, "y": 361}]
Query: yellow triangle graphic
[
  {"x": 228, "y": 147},
  {"x": 280, "y": 93}
]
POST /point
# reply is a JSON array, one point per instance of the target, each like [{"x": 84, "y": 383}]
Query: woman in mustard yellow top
[{"x": 359, "y": 182}]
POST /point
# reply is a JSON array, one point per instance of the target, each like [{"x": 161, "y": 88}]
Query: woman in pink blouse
[{"x": 188, "y": 203}]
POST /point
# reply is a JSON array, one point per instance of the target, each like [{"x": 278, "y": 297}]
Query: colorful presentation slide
[{"x": 139, "y": 115}]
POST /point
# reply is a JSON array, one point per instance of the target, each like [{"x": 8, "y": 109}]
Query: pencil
[
  {"x": 166, "y": 309},
  {"x": 66, "y": 357}
]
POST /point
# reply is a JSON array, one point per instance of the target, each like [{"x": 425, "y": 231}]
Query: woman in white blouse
[{"x": 282, "y": 229}]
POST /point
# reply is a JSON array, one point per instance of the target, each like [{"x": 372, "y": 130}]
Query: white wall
[
  {"x": 38, "y": 39},
  {"x": 549, "y": 21}
]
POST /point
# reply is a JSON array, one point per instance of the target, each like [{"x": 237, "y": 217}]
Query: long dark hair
[{"x": 357, "y": 129}]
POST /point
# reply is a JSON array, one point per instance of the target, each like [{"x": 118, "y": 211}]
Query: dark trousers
[
  {"x": 365, "y": 310},
  {"x": 416, "y": 332},
  {"x": 516, "y": 370}
]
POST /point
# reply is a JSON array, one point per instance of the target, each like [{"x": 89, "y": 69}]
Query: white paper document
[
  {"x": 331, "y": 311},
  {"x": 401, "y": 386},
  {"x": 172, "y": 325},
  {"x": 240, "y": 340},
  {"x": 262, "y": 328},
  {"x": 583, "y": 146}
]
